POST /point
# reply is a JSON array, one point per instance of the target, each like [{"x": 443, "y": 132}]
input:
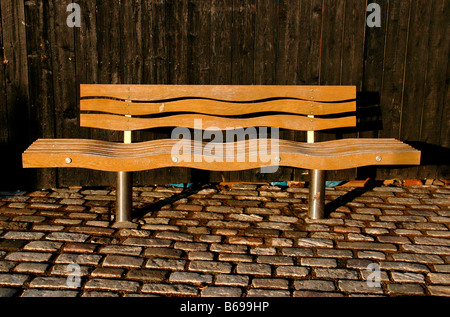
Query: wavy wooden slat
[
  {"x": 150, "y": 155},
  {"x": 214, "y": 107},
  {"x": 325, "y": 148},
  {"x": 292, "y": 122},
  {"x": 220, "y": 92}
]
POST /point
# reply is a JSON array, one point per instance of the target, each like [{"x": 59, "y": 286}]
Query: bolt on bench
[{"x": 134, "y": 107}]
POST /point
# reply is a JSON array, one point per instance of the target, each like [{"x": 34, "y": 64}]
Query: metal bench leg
[
  {"x": 317, "y": 194},
  {"x": 124, "y": 198}
]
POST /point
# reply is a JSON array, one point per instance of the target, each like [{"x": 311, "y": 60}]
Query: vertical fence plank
[
  {"x": 415, "y": 74},
  {"x": 352, "y": 60},
  {"x": 221, "y": 42},
  {"x": 374, "y": 54},
  {"x": 391, "y": 91},
  {"x": 4, "y": 133},
  {"x": 443, "y": 171},
  {"x": 87, "y": 70},
  {"x": 308, "y": 60},
  {"x": 199, "y": 57},
  {"x": 65, "y": 97},
  {"x": 17, "y": 95},
  {"x": 434, "y": 102},
  {"x": 331, "y": 58},
  {"x": 221, "y": 56},
  {"x": 242, "y": 61},
  {"x": 40, "y": 81},
  {"x": 243, "y": 45},
  {"x": 265, "y": 62},
  {"x": 171, "y": 66},
  {"x": 287, "y": 56}
]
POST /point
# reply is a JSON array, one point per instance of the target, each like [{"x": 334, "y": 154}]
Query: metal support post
[
  {"x": 124, "y": 198},
  {"x": 317, "y": 194}
]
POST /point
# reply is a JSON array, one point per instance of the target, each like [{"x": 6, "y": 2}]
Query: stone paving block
[
  {"x": 439, "y": 278},
  {"x": 190, "y": 278},
  {"x": 336, "y": 273},
  {"x": 49, "y": 293},
  {"x": 166, "y": 264},
  {"x": 292, "y": 271},
  {"x": 318, "y": 262},
  {"x": 67, "y": 236},
  {"x": 315, "y": 242},
  {"x": 221, "y": 291},
  {"x": 112, "y": 285},
  {"x": 439, "y": 290},
  {"x": 31, "y": 267},
  {"x": 268, "y": 293},
  {"x": 210, "y": 266},
  {"x": 170, "y": 289},
  {"x": 404, "y": 266},
  {"x": 427, "y": 249},
  {"x": 68, "y": 270},
  {"x": 51, "y": 282},
  {"x": 419, "y": 258},
  {"x": 173, "y": 235},
  {"x": 21, "y": 235},
  {"x": 232, "y": 280},
  {"x": 107, "y": 272},
  {"x": 270, "y": 283},
  {"x": 8, "y": 279},
  {"x": 235, "y": 257},
  {"x": 7, "y": 292},
  {"x": 350, "y": 286},
  {"x": 86, "y": 259},
  {"x": 366, "y": 246},
  {"x": 49, "y": 246},
  {"x": 405, "y": 289},
  {"x": 407, "y": 277},
  {"x": 147, "y": 275},
  {"x": 275, "y": 259},
  {"x": 113, "y": 260},
  {"x": 79, "y": 247},
  {"x": 121, "y": 249},
  {"x": 254, "y": 269},
  {"x": 28, "y": 256}
]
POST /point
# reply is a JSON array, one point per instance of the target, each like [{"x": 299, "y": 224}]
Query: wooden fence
[{"x": 400, "y": 70}]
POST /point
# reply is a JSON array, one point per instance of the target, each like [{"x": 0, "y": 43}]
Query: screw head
[
  {"x": 175, "y": 159},
  {"x": 378, "y": 158},
  {"x": 277, "y": 159},
  {"x": 68, "y": 160}
]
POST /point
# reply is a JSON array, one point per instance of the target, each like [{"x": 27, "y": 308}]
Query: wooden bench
[{"x": 134, "y": 107}]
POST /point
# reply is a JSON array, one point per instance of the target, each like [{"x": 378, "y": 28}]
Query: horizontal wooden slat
[
  {"x": 292, "y": 122},
  {"x": 107, "y": 156},
  {"x": 219, "y": 92},
  {"x": 215, "y": 107}
]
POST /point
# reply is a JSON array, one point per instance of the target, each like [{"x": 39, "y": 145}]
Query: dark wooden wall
[{"x": 401, "y": 71}]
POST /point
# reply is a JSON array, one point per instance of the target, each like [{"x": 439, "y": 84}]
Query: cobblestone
[{"x": 251, "y": 240}]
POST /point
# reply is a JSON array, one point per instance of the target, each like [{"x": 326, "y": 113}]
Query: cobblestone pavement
[{"x": 244, "y": 241}]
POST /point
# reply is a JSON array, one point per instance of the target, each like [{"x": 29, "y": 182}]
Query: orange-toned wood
[
  {"x": 222, "y": 92},
  {"x": 292, "y": 122},
  {"x": 107, "y": 156},
  {"x": 214, "y": 107}
]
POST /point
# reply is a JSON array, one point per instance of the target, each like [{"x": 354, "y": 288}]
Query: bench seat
[{"x": 133, "y": 157}]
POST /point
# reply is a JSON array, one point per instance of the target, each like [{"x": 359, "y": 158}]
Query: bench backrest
[{"x": 135, "y": 107}]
